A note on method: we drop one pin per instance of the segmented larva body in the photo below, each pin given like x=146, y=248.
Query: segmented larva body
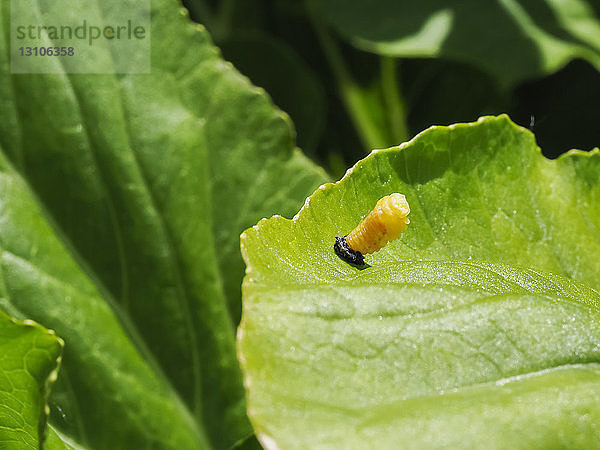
x=385, y=223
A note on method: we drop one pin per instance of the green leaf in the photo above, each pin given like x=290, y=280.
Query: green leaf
x=479, y=190
x=511, y=39
x=110, y=389
x=128, y=245
x=29, y=360
x=56, y=441
x=428, y=346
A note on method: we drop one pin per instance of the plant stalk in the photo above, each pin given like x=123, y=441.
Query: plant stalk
x=393, y=101
x=351, y=93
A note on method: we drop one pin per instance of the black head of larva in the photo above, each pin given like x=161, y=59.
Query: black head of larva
x=346, y=253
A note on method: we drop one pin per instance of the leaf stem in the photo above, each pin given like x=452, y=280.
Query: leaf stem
x=351, y=93
x=393, y=100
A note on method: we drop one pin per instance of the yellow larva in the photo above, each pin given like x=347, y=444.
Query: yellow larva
x=385, y=223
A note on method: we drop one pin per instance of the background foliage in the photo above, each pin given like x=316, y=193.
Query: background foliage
x=382, y=79
x=123, y=196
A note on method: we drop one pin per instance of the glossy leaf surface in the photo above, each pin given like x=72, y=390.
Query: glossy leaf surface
x=429, y=346
x=29, y=360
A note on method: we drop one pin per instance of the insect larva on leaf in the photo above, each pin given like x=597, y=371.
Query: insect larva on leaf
x=385, y=223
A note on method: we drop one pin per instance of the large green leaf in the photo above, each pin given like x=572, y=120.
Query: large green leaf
x=110, y=393
x=511, y=39
x=429, y=346
x=146, y=182
x=478, y=190
x=29, y=360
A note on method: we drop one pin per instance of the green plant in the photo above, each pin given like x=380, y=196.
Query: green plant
x=390, y=69
x=430, y=347
x=122, y=199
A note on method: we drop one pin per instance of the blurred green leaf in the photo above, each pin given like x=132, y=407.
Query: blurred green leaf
x=30, y=356
x=510, y=39
x=110, y=390
x=121, y=231
x=54, y=441
x=430, y=347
